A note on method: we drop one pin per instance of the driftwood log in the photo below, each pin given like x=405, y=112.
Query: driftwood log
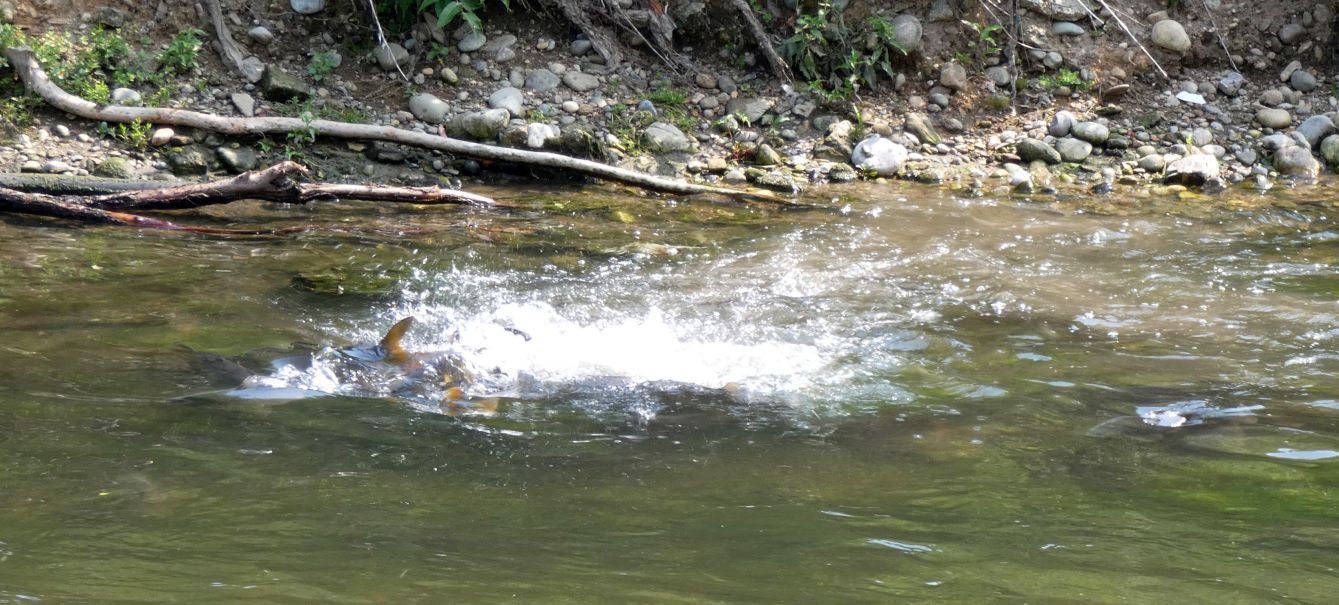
x=271, y=184
x=35, y=79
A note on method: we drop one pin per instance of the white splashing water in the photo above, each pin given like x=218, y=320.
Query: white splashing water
x=625, y=350
x=773, y=325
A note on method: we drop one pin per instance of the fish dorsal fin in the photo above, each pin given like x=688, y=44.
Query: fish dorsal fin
x=395, y=352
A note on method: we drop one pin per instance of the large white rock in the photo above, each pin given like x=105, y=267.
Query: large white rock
x=483, y=125
x=510, y=99
x=953, y=76
x=307, y=7
x=907, y=29
x=661, y=137
x=1170, y=35
x=428, y=108
x=879, y=155
x=536, y=134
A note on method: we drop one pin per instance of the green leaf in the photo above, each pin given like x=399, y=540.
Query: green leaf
x=473, y=20
x=448, y=14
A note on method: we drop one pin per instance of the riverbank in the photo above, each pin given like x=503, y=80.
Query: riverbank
x=1092, y=112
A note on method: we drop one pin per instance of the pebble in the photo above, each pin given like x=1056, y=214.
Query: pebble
x=1273, y=118
x=1073, y=150
x=510, y=99
x=580, y=82
x=1231, y=83
x=1302, y=81
x=1061, y=124
x=125, y=96
x=1170, y=35
x=542, y=80
x=1066, y=28
x=390, y=56
x=953, y=76
x=161, y=136
x=307, y=7
x=260, y=34
x=244, y=103
x=55, y=167
x=474, y=41
x=429, y=108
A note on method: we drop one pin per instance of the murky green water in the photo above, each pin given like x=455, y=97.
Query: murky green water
x=894, y=403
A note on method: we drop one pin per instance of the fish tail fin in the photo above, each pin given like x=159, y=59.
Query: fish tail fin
x=391, y=343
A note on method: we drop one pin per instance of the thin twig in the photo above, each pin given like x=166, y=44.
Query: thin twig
x=1219, y=35
x=1136, y=40
x=1012, y=38
x=381, y=37
x=623, y=20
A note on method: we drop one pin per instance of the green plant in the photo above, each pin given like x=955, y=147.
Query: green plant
x=159, y=97
x=307, y=135
x=667, y=97
x=180, y=54
x=859, y=129
x=1065, y=77
x=344, y=114
x=985, y=42
x=10, y=36
x=134, y=134
x=882, y=49
x=402, y=14
x=828, y=94
x=86, y=64
x=16, y=111
x=998, y=102
x=437, y=52
x=626, y=123
x=836, y=60
x=764, y=15
x=322, y=64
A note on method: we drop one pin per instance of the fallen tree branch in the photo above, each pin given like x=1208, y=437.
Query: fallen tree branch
x=35, y=79
x=274, y=184
x=271, y=184
x=62, y=207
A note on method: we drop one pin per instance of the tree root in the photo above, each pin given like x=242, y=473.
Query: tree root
x=760, y=37
x=227, y=46
x=35, y=79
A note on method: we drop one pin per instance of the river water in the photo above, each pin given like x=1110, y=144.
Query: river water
x=912, y=395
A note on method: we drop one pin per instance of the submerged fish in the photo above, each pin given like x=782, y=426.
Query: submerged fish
x=1155, y=422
